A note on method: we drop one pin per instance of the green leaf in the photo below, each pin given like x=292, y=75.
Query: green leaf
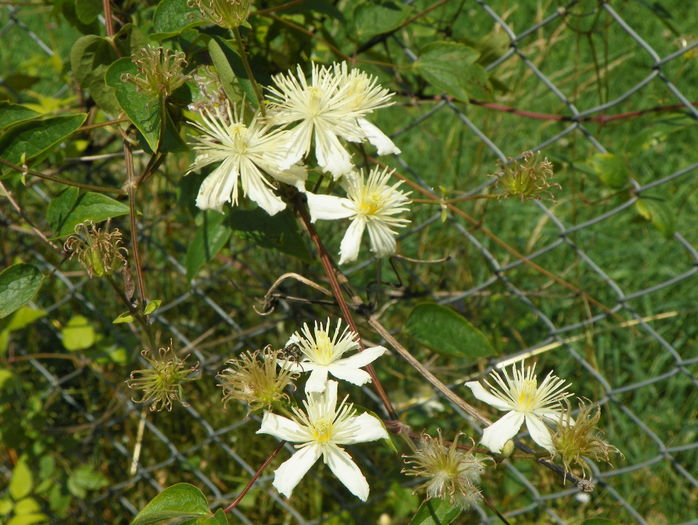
x=611, y=170
x=152, y=306
x=435, y=512
x=69, y=209
x=599, y=521
x=5, y=375
x=228, y=64
x=450, y=67
x=6, y=504
x=21, y=318
x=22, y=481
x=87, y=11
x=124, y=317
x=90, y=57
x=209, y=239
x=85, y=478
x=277, y=232
x=447, y=332
x=659, y=214
x=178, y=501
x=219, y=518
x=78, y=334
x=33, y=138
x=18, y=285
x=174, y=16
x=14, y=114
x=27, y=506
x=375, y=18
x=28, y=519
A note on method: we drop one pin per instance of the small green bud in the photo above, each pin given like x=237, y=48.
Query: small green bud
x=526, y=178
x=508, y=448
x=160, y=71
x=161, y=384
x=225, y=13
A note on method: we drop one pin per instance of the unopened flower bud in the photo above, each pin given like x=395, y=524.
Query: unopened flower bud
x=451, y=472
x=526, y=178
x=160, y=71
x=225, y=13
x=161, y=384
x=99, y=251
x=255, y=378
x=580, y=438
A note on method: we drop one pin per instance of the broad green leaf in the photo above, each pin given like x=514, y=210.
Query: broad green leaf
x=142, y=109
x=435, y=512
x=6, y=504
x=90, y=57
x=33, y=138
x=178, y=501
x=599, y=521
x=659, y=214
x=209, y=239
x=375, y=18
x=87, y=11
x=447, y=332
x=277, y=232
x=78, y=334
x=28, y=519
x=85, y=478
x=228, y=64
x=451, y=67
x=18, y=284
x=22, y=481
x=27, y=506
x=174, y=16
x=611, y=170
x=24, y=317
x=69, y=209
x=11, y=114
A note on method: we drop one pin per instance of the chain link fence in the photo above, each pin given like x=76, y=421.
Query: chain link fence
x=574, y=281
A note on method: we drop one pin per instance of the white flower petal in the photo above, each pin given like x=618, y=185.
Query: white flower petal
x=379, y=139
x=361, y=359
x=287, y=476
x=330, y=154
x=328, y=207
x=382, y=239
x=295, y=366
x=351, y=242
x=539, y=432
x=297, y=145
x=350, y=374
x=498, y=433
x=347, y=472
x=370, y=429
x=317, y=381
x=255, y=187
x=217, y=187
x=282, y=428
x=483, y=395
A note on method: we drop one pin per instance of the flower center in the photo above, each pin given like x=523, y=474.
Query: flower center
x=315, y=105
x=238, y=135
x=371, y=203
x=322, y=431
x=324, y=347
x=527, y=398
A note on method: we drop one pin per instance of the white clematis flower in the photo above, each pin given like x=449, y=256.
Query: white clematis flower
x=372, y=205
x=319, y=431
x=334, y=104
x=248, y=155
x=525, y=401
x=322, y=355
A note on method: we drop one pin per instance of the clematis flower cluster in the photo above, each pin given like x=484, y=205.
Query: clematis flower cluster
x=324, y=423
x=254, y=155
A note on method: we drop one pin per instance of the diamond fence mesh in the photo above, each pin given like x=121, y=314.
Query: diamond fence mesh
x=583, y=283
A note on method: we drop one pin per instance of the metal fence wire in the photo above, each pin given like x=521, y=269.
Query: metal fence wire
x=637, y=356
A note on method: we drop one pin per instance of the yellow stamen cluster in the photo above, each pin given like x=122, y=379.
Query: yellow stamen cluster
x=526, y=178
x=160, y=71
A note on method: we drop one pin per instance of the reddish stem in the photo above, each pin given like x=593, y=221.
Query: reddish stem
x=254, y=478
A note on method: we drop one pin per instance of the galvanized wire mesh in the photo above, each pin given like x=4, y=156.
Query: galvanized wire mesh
x=638, y=313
